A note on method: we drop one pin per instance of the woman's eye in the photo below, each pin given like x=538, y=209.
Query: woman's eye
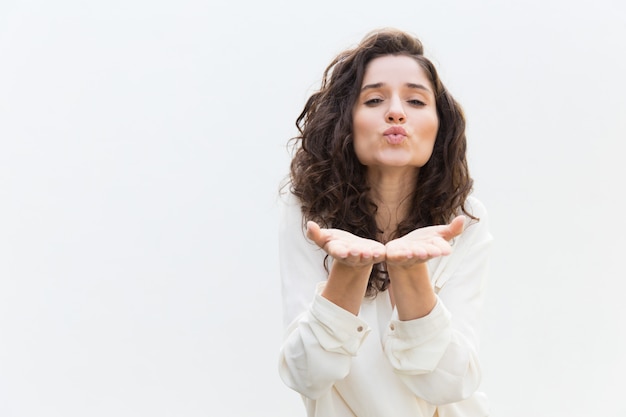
x=417, y=102
x=373, y=101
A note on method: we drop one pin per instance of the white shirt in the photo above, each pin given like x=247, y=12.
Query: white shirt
x=373, y=364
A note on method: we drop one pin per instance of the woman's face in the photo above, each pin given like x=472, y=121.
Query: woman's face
x=395, y=117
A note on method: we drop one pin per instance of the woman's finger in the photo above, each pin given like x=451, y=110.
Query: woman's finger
x=455, y=228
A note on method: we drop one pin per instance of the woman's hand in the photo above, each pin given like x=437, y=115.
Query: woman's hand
x=346, y=248
x=353, y=260
x=423, y=244
x=411, y=290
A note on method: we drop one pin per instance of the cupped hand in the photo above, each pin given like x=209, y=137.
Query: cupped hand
x=423, y=244
x=345, y=247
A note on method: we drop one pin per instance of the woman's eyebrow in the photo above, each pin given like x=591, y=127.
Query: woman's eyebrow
x=418, y=87
x=372, y=86
x=409, y=85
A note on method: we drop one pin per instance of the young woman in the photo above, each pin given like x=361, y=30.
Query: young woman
x=383, y=252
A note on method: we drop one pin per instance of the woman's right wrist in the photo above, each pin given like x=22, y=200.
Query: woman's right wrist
x=346, y=285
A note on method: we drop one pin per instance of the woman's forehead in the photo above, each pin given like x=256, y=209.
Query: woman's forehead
x=395, y=69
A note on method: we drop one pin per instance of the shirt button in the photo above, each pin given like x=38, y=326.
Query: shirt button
x=359, y=329
x=392, y=327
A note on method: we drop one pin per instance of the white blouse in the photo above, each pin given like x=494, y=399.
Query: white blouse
x=374, y=364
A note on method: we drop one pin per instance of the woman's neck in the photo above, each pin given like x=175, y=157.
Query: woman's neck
x=391, y=192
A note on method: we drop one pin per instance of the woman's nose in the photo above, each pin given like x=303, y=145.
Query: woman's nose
x=395, y=113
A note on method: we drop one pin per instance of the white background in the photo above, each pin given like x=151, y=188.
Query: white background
x=141, y=148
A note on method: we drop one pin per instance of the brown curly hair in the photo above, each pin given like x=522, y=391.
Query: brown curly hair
x=329, y=180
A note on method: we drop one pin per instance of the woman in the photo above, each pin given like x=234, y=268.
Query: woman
x=383, y=253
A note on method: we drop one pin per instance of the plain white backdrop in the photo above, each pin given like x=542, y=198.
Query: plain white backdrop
x=141, y=148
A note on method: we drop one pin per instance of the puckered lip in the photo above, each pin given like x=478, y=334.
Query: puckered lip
x=395, y=130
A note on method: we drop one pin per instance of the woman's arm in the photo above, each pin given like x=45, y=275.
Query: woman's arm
x=436, y=355
x=353, y=258
x=411, y=289
x=324, y=331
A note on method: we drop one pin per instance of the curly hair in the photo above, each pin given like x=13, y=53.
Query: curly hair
x=329, y=180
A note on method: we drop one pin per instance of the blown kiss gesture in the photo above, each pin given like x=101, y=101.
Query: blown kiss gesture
x=410, y=289
x=416, y=247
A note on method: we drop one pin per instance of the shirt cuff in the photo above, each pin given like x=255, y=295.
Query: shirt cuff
x=336, y=329
x=417, y=346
